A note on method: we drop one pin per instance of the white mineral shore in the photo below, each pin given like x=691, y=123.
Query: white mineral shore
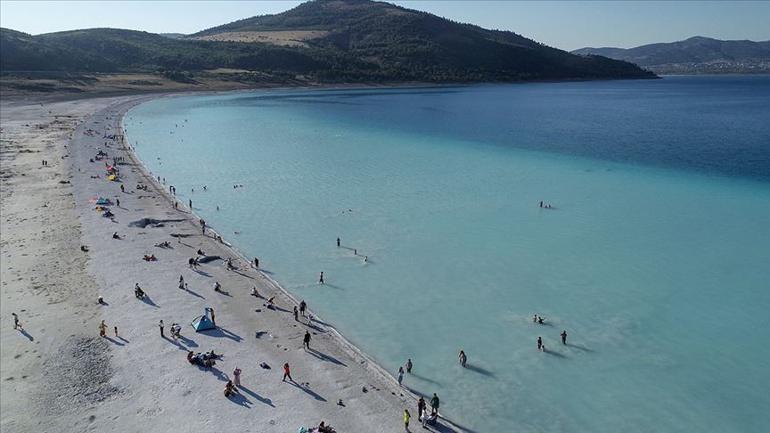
x=58, y=375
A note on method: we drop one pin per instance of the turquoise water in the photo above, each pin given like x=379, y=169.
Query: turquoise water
x=655, y=258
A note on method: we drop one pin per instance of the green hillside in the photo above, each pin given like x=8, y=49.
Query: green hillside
x=354, y=41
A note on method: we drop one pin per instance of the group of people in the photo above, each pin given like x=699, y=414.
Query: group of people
x=425, y=417
x=208, y=359
x=541, y=321
x=205, y=359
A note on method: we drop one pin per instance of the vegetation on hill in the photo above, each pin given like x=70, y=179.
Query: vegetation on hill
x=694, y=55
x=360, y=41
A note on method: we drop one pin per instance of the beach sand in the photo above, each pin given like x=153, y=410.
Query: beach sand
x=58, y=375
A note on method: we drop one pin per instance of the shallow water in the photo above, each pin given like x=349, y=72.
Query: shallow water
x=654, y=258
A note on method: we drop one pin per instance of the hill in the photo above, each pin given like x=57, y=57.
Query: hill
x=323, y=41
x=694, y=55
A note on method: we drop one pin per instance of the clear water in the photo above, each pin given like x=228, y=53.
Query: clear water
x=656, y=258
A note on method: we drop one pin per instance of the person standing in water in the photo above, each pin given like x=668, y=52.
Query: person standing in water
x=321, y=278
x=434, y=404
x=463, y=358
x=338, y=242
x=564, y=337
x=539, y=343
x=400, y=375
x=409, y=365
x=189, y=204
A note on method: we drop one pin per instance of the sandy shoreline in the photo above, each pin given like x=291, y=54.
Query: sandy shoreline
x=145, y=380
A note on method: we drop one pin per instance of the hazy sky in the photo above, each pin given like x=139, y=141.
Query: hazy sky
x=566, y=25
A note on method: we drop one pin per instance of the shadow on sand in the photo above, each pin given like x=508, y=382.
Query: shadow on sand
x=116, y=342
x=146, y=299
x=243, y=274
x=239, y=399
x=220, y=332
x=26, y=334
x=324, y=357
x=307, y=391
x=194, y=293
x=204, y=273
x=261, y=399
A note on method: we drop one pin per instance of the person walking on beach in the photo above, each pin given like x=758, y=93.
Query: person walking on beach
x=407, y=417
x=338, y=242
x=420, y=407
x=16, y=324
x=539, y=343
x=296, y=313
x=256, y=262
x=189, y=204
x=400, y=375
x=321, y=278
x=306, y=340
x=116, y=332
x=286, y=372
x=564, y=337
x=409, y=365
x=237, y=376
x=160, y=325
x=102, y=329
x=434, y=404
x=302, y=307
x=213, y=318
x=463, y=359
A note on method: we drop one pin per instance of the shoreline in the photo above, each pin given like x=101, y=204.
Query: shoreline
x=137, y=378
x=369, y=363
x=351, y=348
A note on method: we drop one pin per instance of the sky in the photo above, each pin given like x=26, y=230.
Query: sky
x=563, y=24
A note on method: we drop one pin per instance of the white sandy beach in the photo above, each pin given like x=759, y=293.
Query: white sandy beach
x=59, y=375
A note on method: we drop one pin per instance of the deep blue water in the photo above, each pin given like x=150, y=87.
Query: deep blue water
x=712, y=124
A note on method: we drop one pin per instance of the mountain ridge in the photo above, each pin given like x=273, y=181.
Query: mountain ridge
x=324, y=41
x=697, y=54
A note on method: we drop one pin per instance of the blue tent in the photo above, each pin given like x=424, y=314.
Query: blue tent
x=202, y=323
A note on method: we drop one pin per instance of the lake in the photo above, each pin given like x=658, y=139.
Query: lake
x=654, y=255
